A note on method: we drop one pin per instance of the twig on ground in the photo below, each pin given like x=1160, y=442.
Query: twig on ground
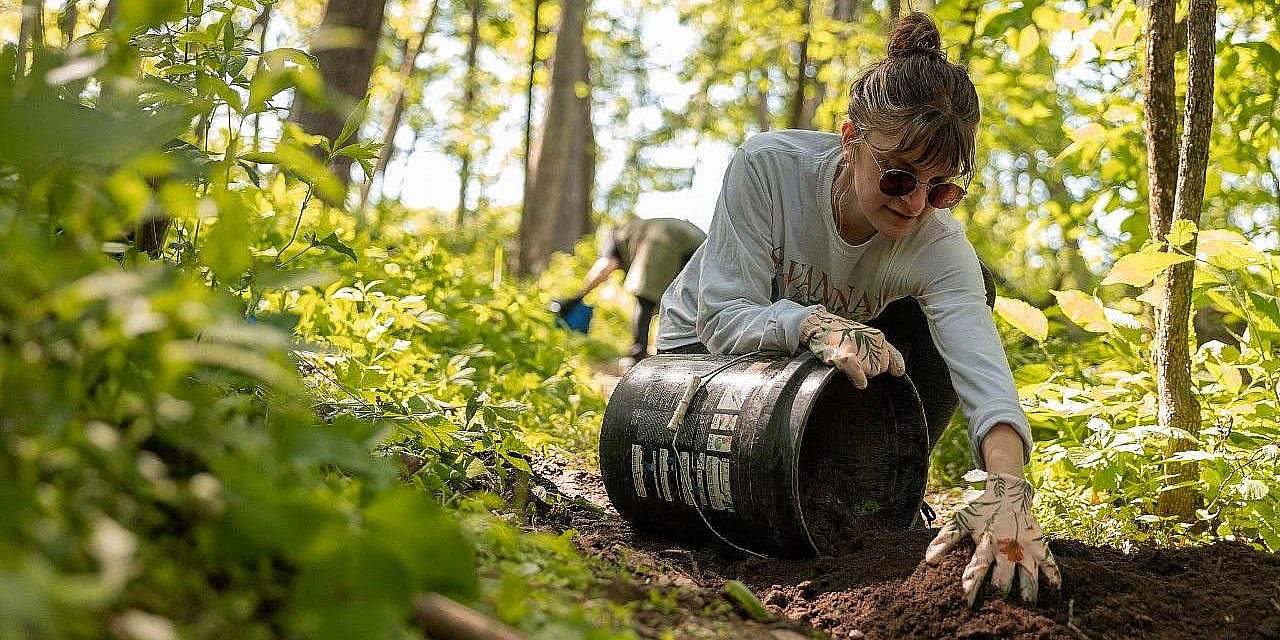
x=445, y=619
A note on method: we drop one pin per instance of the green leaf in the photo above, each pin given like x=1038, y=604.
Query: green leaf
x=332, y=241
x=143, y=14
x=1084, y=310
x=1139, y=269
x=740, y=595
x=226, y=251
x=1182, y=232
x=354, y=120
x=1251, y=489
x=1228, y=249
x=1023, y=317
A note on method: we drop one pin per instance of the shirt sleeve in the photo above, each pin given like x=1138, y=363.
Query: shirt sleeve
x=735, y=310
x=954, y=302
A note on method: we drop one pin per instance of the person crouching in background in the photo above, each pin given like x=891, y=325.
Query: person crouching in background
x=651, y=252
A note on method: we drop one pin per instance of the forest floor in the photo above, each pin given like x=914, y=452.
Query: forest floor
x=878, y=586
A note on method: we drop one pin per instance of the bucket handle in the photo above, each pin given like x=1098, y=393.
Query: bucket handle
x=677, y=422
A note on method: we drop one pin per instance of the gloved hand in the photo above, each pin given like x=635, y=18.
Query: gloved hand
x=563, y=306
x=1000, y=522
x=860, y=351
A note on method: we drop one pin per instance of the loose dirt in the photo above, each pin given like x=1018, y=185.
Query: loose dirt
x=878, y=586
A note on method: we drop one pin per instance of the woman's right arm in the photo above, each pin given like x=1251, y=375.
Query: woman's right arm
x=735, y=310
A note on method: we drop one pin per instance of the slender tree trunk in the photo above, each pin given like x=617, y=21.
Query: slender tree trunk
x=845, y=10
x=30, y=34
x=796, y=119
x=893, y=10
x=969, y=17
x=534, y=35
x=761, y=89
x=1178, y=407
x=265, y=21
x=67, y=19
x=468, y=103
x=108, y=14
x=408, y=59
x=346, y=71
x=1161, y=123
x=557, y=207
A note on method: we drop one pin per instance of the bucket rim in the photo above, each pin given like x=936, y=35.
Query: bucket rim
x=805, y=399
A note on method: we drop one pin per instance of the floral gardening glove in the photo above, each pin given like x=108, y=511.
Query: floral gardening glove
x=1000, y=522
x=860, y=351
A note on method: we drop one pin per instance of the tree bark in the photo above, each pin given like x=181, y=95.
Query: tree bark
x=1161, y=121
x=30, y=34
x=797, y=119
x=67, y=19
x=763, y=118
x=408, y=59
x=264, y=22
x=1178, y=406
x=534, y=35
x=894, y=10
x=345, y=70
x=468, y=103
x=108, y=14
x=557, y=206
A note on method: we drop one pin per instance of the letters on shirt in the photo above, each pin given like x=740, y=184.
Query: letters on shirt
x=804, y=284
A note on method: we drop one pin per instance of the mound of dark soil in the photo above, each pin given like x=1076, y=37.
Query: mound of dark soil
x=882, y=588
x=879, y=586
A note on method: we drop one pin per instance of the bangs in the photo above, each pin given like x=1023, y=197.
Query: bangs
x=938, y=139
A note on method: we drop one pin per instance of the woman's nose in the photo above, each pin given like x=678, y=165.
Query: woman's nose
x=918, y=199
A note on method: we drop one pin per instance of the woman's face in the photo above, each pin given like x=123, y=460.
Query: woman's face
x=893, y=216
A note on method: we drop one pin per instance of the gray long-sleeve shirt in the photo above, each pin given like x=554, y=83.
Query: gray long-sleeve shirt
x=773, y=255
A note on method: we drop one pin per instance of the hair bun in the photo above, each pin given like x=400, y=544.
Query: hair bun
x=915, y=34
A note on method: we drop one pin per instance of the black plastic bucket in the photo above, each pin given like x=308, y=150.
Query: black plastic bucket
x=776, y=454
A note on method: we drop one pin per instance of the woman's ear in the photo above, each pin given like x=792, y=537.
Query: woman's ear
x=848, y=135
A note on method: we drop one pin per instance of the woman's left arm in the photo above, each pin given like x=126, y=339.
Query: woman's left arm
x=1008, y=538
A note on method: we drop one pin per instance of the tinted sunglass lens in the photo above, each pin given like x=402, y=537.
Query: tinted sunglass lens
x=945, y=195
x=896, y=182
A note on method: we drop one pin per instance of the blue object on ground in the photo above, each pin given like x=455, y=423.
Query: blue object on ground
x=578, y=318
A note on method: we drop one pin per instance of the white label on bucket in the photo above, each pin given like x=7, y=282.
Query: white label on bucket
x=664, y=480
x=713, y=484
x=731, y=399
x=717, y=442
x=637, y=470
x=727, y=422
x=726, y=492
x=686, y=484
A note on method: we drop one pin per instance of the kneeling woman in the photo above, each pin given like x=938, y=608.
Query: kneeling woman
x=818, y=239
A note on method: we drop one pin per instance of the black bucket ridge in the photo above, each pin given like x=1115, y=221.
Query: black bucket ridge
x=780, y=454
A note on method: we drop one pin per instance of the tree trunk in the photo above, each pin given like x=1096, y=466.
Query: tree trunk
x=799, y=100
x=557, y=206
x=409, y=56
x=468, y=103
x=893, y=11
x=264, y=21
x=763, y=119
x=67, y=21
x=845, y=10
x=345, y=70
x=1178, y=406
x=534, y=35
x=30, y=34
x=108, y=14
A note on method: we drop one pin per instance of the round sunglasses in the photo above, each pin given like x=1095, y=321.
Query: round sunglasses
x=897, y=183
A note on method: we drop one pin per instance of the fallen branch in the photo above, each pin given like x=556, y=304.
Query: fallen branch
x=444, y=619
